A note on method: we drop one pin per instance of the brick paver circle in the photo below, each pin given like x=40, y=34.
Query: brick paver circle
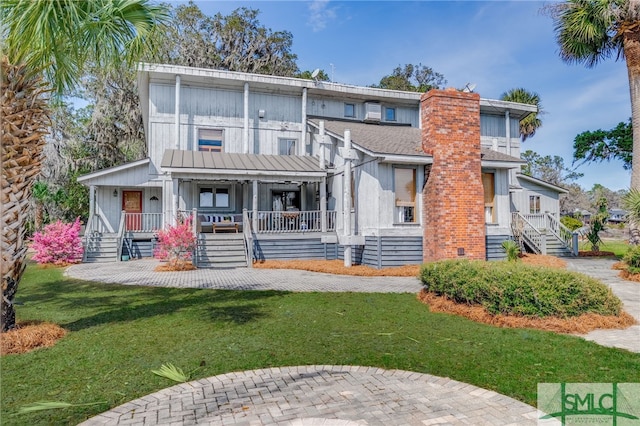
x=321, y=395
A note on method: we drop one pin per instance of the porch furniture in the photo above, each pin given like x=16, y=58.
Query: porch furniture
x=219, y=222
x=225, y=226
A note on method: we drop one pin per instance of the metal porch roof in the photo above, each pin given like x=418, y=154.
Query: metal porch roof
x=240, y=164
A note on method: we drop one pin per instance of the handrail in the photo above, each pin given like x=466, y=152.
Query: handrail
x=523, y=229
x=120, y=235
x=569, y=237
x=88, y=230
x=248, y=237
x=194, y=231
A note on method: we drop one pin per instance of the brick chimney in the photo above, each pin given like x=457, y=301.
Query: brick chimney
x=453, y=196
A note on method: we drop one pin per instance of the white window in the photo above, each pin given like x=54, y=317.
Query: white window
x=534, y=204
x=286, y=147
x=211, y=140
x=218, y=197
x=405, y=194
x=349, y=110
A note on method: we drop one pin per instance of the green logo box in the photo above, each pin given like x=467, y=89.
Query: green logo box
x=603, y=404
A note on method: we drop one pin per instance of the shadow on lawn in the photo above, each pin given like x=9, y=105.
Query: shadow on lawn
x=94, y=304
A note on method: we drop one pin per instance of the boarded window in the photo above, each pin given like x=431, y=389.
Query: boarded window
x=405, y=194
x=489, y=185
x=210, y=140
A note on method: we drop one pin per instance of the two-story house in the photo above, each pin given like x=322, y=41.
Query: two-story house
x=283, y=168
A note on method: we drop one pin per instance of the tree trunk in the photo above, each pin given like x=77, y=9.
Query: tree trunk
x=24, y=120
x=631, y=43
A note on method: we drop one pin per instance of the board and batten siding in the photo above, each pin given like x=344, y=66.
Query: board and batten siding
x=109, y=208
x=387, y=212
x=202, y=107
x=369, y=205
x=549, y=199
x=334, y=108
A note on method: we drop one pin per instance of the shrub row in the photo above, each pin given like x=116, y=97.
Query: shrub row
x=517, y=289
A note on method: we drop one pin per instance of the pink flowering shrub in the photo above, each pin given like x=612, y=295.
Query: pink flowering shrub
x=176, y=244
x=58, y=243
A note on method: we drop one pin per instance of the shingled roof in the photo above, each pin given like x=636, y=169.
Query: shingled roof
x=394, y=140
x=378, y=138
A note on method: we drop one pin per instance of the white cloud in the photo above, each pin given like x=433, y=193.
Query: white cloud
x=321, y=14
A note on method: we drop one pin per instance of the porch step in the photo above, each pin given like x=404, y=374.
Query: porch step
x=557, y=248
x=221, y=250
x=101, y=248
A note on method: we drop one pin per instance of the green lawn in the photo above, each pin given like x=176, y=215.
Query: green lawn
x=619, y=247
x=118, y=334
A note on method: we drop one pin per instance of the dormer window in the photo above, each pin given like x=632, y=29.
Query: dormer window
x=210, y=140
x=350, y=110
x=390, y=114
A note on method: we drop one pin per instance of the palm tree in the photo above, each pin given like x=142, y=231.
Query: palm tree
x=46, y=46
x=589, y=31
x=531, y=122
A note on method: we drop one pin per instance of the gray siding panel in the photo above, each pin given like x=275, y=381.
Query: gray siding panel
x=291, y=249
x=389, y=251
x=494, y=247
x=139, y=249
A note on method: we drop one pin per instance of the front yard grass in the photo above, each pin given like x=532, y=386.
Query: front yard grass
x=618, y=247
x=118, y=334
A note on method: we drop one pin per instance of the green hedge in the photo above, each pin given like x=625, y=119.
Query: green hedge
x=517, y=289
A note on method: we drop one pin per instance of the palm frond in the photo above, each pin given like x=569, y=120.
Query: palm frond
x=52, y=405
x=171, y=372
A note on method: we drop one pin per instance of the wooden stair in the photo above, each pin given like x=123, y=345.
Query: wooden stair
x=101, y=247
x=221, y=250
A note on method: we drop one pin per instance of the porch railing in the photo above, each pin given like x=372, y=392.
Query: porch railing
x=526, y=232
x=534, y=228
x=277, y=222
x=96, y=225
x=569, y=237
x=142, y=222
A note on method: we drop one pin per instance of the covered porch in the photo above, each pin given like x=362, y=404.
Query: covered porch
x=281, y=194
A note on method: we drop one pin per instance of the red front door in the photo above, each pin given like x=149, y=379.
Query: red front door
x=132, y=205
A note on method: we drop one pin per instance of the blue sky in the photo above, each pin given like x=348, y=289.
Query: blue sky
x=497, y=45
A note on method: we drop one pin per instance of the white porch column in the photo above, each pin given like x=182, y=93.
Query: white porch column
x=254, y=205
x=346, y=201
x=245, y=129
x=175, y=201
x=321, y=159
x=245, y=195
x=92, y=206
x=303, y=133
x=323, y=204
x=177, y=112
x=303, y=196
x=508, y=131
